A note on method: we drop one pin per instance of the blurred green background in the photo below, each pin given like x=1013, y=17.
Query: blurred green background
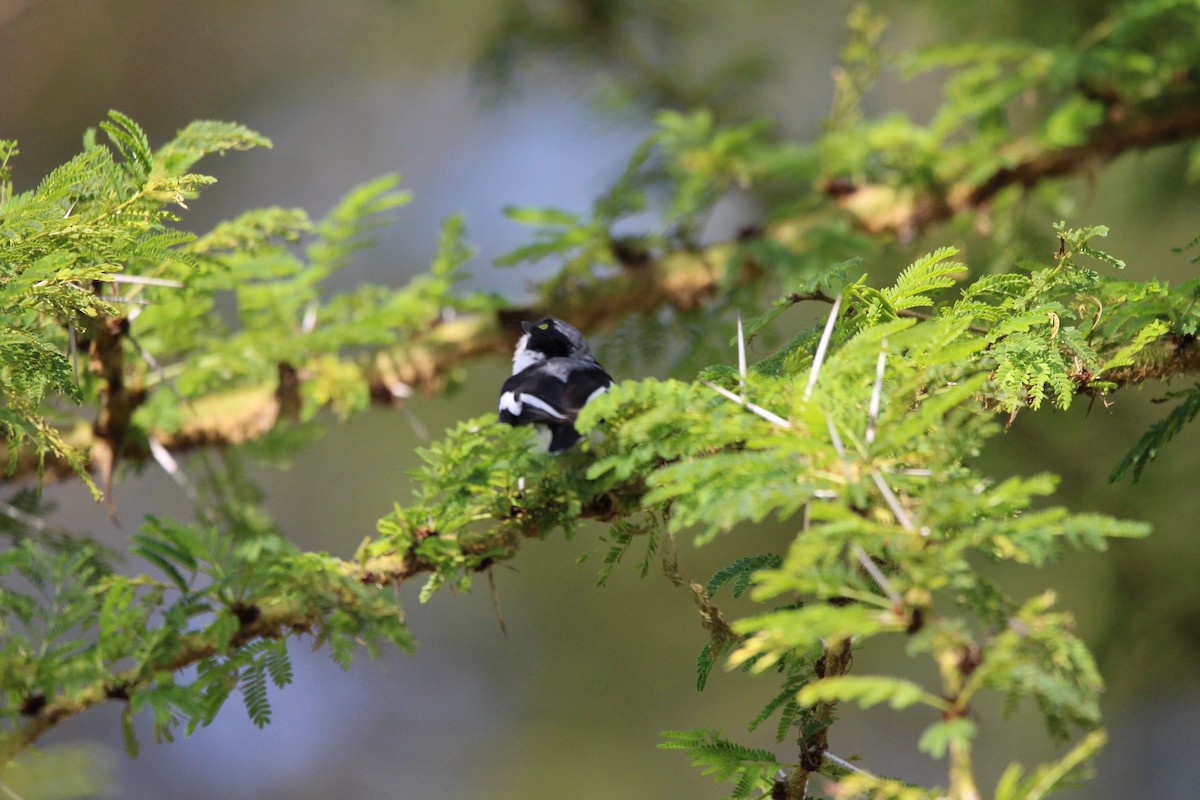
x=480, y=108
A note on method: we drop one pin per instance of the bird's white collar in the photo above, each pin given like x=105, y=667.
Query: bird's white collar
x=523, y=357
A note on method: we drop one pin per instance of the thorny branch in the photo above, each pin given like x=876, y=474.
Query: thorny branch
x=679, y=280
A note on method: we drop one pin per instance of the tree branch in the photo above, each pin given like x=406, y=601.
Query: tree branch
x=265, y=620
x=678, y=280
x=41, y=715
x=682, y=280
x=881, y=209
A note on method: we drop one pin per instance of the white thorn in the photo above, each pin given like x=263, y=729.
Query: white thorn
x=873, y=570
x=894, y=503
x=839, y=448
x=167, y=461
x=741, y=337
x=149, y=358
x=769, y=416
x=23, y=517
x=122, y=277
x=843, y=763
x=835, y=438
x=876, y=392
x=310, y=318
x=822, y=346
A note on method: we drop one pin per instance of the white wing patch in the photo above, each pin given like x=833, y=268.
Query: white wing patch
x=538, y=402
x=595, y=394
x=509, y=403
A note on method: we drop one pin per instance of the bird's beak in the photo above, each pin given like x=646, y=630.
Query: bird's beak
x=527, y=326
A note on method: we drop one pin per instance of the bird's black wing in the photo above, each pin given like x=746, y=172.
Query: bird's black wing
x=550, y=394
x=582, y=385
x=534, y=395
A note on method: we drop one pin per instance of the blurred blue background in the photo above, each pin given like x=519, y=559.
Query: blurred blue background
x=571, y=701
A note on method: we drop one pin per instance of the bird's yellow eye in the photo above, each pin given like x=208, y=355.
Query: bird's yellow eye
x=545, y=326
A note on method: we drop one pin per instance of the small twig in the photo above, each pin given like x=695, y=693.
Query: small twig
x=822, y=346
x=796, y=297
x=73, y=346
x=769, y=416
x=496, y=602
x=876, y=392
x=1096, y=321
x=921, y=315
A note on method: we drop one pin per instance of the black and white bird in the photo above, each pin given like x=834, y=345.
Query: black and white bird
x=554, y=376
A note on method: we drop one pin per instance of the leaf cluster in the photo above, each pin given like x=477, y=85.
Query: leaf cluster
x=107, y=306
x=80, y=629
x=873, y=469
x=63, y=248
x=857, y=437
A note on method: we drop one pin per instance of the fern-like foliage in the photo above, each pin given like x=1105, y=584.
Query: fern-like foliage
x=262, y=660
x=622, y=535
x=751, y=769
x=104, y=304
x=1161, y=432
x=859, y=436
x=739, y=574
x=884, y=479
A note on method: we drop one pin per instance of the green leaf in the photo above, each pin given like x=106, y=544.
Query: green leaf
x=541, y=216
x=868, y=691
x=929, y=273
x=1049, y=777
x=1152, y=441
x=719, y=757
x=130, y=141
x=940, y=737
x=1149, y=333
x=202, y=138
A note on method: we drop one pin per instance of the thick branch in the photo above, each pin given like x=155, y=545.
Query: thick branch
x=1167, y=358
x=882, y=209
x=682, y=281
x=835, y=661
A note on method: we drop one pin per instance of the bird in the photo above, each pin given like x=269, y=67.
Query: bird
x=554, y=376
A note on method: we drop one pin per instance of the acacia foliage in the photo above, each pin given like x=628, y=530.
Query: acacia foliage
x=860, y=435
